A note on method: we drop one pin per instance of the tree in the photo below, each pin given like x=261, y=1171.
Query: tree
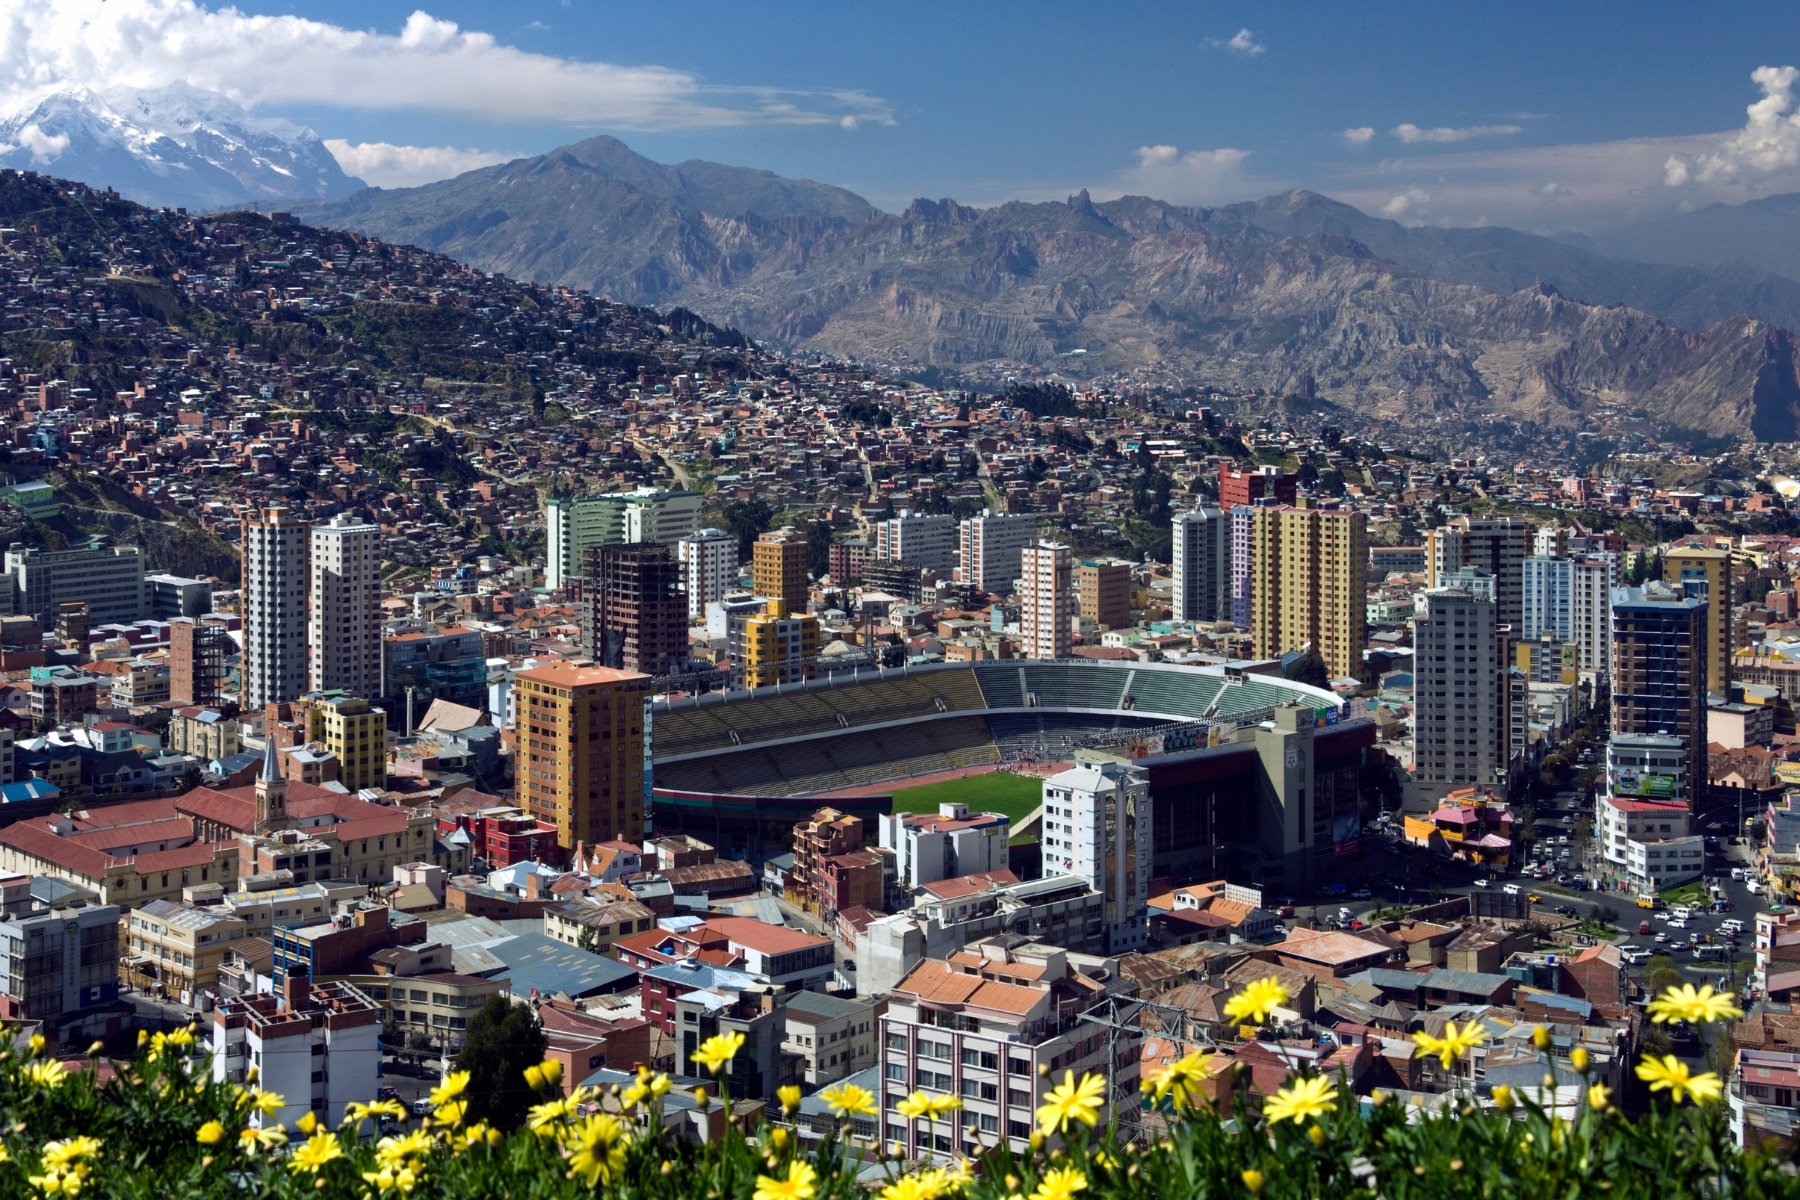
x=818, y=548
x=1309, y=668
x=1661, y=974
x=503, y=1039
x=746, y=519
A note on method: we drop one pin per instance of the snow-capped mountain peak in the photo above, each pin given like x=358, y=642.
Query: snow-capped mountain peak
x=175, y=145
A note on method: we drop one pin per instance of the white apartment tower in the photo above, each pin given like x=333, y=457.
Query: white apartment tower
x=573, y=525
x=1549, y=584
x=991, y=545
x=1459, y=726
x=924, y=541
x=1096, y=827
x=275, y=549
x=1593, y=577
x=709, y=569
x=1202, y=553
x=1044, y=625
x=344, y=623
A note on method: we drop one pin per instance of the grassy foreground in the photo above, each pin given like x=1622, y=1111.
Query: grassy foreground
x=160, y=1130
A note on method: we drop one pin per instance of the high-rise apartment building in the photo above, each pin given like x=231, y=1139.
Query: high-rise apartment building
x=1103, y=593
x=1593, y=576
x=110, y=580
x=1240, y=571
x=1548, y=598
x=575, y=524
x=275, y=553
x=1706, y=574
x=1460, y=730
x=1044, y=626
x=1097, y=826
x=991, y=545
x=1202, y=566
x=1309, y=567
x=634, y=616
x=581, y=757
x=1659, y=661
x=1496, y=545
x=709, y=569
x=344, y=622
x=778, y=567
x=775, y=646
x=1264, y=483
x=929, y=541
x=197, y=654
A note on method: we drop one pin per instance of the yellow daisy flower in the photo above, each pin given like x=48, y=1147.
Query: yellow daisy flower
x=311, y=1155
x=716, y=1053
x=1071, y=1101
x=1301, y=1101
x=797, y=1186
x=1698, y=1006
x=1060, y=1184
x=848, y=1100
x=1253, y=1005
x=1453, y=1045
x=1672, y=1075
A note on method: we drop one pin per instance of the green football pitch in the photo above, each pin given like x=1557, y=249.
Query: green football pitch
x=1013, y=795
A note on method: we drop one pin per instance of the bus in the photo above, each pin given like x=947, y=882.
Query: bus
x=1649, y=900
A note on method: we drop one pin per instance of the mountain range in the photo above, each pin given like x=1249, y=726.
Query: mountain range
x=1292, y=293
x=173, y=146
x=1295, y=292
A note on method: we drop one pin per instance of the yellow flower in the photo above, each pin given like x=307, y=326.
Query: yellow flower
x=1540, y=1037
x=1253, y=1005
x=1699, y=1006
x=1061, y=1184
x=1453, y=1045
x=1302, y=1101
x=393, y=1150
x=257, y=1100
x=1253, y=1180
x=210, y=1134
x=1503, y=1097
x=1071, y=1101
x=1672, y=1075
x=716, y=1053
x=915, y=1106
x=848, y=1100
x=454, y=1085
x=36, y=1044
x=797, y=1186
x=547, y=1119
x=254, y=1140
x=314, y=1153
x=397, y=1180
x=451, y=1113
x=1578, y=1059
x=308, y=1124
x=599, y=1149
x=1182, y=1080
x=789, y=1097
x=46, y=1074
x=1599, y=1097
x=355, y=1114
x=70, y=1152
x=911, y=1187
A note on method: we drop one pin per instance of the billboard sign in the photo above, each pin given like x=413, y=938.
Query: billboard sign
x=1644, y=785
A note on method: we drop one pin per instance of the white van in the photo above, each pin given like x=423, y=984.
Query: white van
x=1511, y=889
x=1681, y=912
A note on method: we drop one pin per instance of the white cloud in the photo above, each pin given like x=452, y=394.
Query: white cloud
x=384, y=164
x=1409, y=203
x=43, y=146
x=1243, y=43
x=1189, y=177
x=1413, y=134
x=432, y=65
x=1768, y=142
x=1361, y=135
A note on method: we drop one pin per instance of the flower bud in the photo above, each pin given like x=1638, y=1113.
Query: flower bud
x=1540, y=1037
x=1253, y=1181
x=1316, y=1136
x=1578, y=1058
x=1503, y=1097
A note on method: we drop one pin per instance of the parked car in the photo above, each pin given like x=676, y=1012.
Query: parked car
x=1361, y=893
x=1643, y=928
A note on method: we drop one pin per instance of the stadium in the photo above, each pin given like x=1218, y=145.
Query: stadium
x=739, y=766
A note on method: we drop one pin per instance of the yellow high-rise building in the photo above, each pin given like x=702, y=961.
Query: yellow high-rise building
x=1706, y=575
x=1308, y=567
x=579, y=751
x=356, y=734
x=778, y=647
x=778, y=567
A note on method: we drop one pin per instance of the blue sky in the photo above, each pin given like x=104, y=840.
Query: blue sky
x=1568, y=115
